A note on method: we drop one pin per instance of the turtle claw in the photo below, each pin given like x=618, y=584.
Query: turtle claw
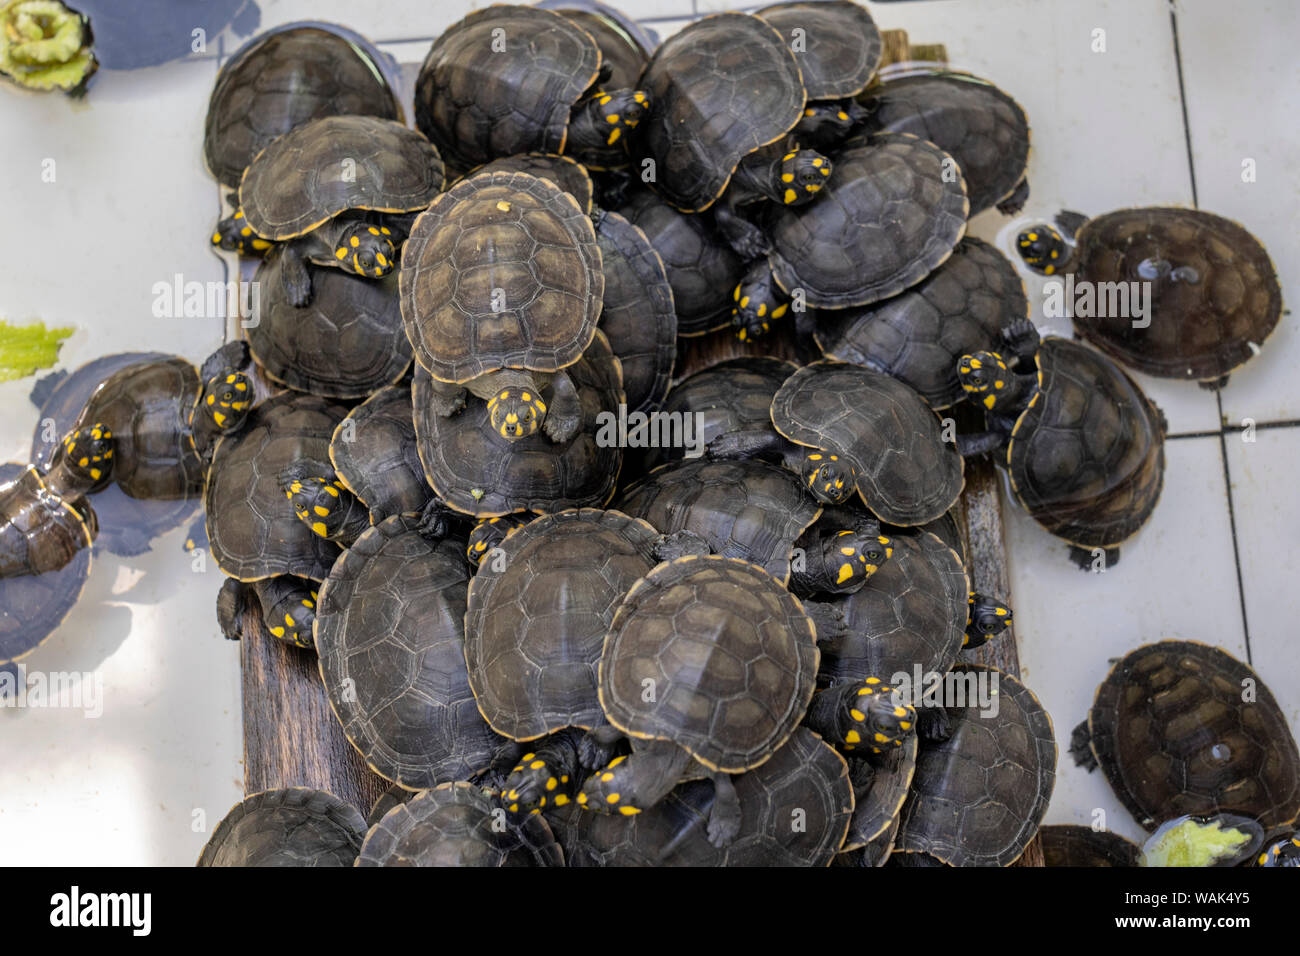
x=725, y=817
x=1081, y=747
x=561, y=429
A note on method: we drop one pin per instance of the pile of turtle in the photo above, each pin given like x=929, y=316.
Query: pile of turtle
x=565, y=643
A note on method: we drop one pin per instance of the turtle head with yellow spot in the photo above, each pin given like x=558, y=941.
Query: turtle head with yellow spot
x=87, y=456
x=1042, y=248
x=365, y=249
x=516, y=412
x=827, y=124
x=851, y=557
x=830, y=478
x=326, y=506
x=226, y=400
x=757, y=302
x=801, y=175
x=234, y=234
x=988, y=617
x=985, y=379
x=541, y=780
x=872, y=720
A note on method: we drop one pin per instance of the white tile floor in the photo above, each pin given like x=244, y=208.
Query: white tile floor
x=132, y=205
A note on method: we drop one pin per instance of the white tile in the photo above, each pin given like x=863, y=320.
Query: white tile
x=1242, y=86
x=1267, y=512
x=1175, y=579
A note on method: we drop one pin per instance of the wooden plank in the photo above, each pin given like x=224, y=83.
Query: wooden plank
x=291, y=737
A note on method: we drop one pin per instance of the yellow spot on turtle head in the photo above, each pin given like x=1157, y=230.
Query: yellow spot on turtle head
x=846, y=572
x=537, y=765
x=614, y=134
x=216, y=238
x=873, y=680
x=551, y=783
x=990, y=401
x=779, y=311
x=881, y=738
x=354, y=242
x=340, y=253
x=1033, y=237
x=372, y=230
x=1048, y=270
x=629, y=811
x=905, y=724
x=612, y=119
x=857, y=715
x=787, y=177
x=788, y=156
x=582, y=799
x=319, y=528
x=852, y=737
x=790, y=196
x=842, y=116
x=561, y=799
x=809, y=111
x=321, y=510
x=613, y=798
x=606, y=777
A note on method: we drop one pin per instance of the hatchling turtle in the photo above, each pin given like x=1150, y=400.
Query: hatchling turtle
x=891, y=213
x=805, y=779
x=759, y=513
x=401, y=691
x=501, y=289
x=708, y=660
x=46, y=530
x=478, y=471
x=374, y=453
x=284, y=78
x=255, y=533
x=1180, y=728
x=965, y=305
x=508, y=79
x=978, y=796
x=564, y=171
x=1212, y=292
x=538, y=612
x=910, y=614
x=1072, y=845
x=346, y=343
x=337, y=192
x=455, y=824
x=861, y=430
x=979, y=125
x=839, y=53
x=1084, y=446
x=701, y=267
x=126, y=525
x=732, y=397
x=724, y=93
x=291, y=827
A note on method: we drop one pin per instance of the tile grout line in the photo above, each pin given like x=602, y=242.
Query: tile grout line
x=1218, y=393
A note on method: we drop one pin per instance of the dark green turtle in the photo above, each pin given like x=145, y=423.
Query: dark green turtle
x=477, y=471
x=794, y=809
x=724, y=93
x=709, y=659
x=401, y=691
x=126, y=525
x=539, y=608
x=509, y=79
x=861, y=430
x=374, y=452
x=337, y=192
x=965, y=305
x=458, y=824
x=701, y=268
x=911, y=613
x=254, y=530
x=978, y=796
x=292, y=827
x=501, y=289
x=1073, y=845
x=838, y=47
x=731, y=398
x=283, y=78
x=758, y=513
x=46, y=530
x=981, y=127
x=1213, y=292
x=1180, y=728
x=891, y=213
x=1084, y=446
x=346, y=343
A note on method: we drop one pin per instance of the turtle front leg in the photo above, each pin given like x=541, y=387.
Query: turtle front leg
x=564, y=417
x=980, y=443
x=732, y=445
x=748, y=241
x=629, y=784
x=725, y=817
x=596, y=747
x=294, y=275
x=446, y=399
x=231, y=601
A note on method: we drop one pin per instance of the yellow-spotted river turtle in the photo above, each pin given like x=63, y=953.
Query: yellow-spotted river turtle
x=290, y=827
